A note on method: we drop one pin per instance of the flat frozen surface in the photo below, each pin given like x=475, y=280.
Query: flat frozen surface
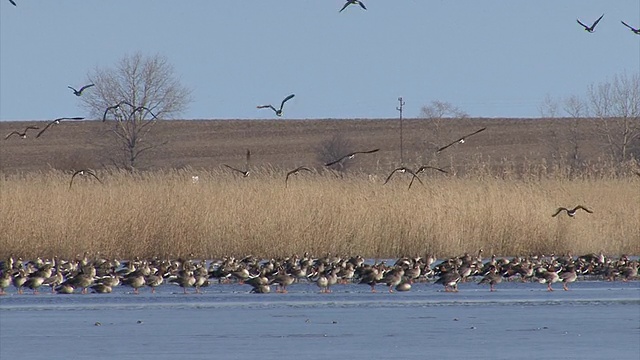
x=594, y=320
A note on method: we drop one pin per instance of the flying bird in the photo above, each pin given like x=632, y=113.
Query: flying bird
x=350, y=156
x=422, y=169
x=84, y=172
x=295, y=171
x=277, y=111
x=57, y=121
x=402, y=169
x=244, y=173
x=115, y=107
x=571, y=212
x=592, y=27
x=635, y=31
x=22, y=134
x=461, y=140
x=353, y=2
x=79, y=92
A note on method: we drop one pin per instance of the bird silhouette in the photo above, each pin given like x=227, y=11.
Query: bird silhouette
x=592, y=27
x=295, y=171
x=422, y=169
x=13, y=3
x=22, y=134
x=84, y=172
x=115, y=107
x=58, y=121
x=277, y=111
x=244, y=173
x=79, y=92
x=571, y=212
x=461, y=140
x=635, y=31
x=402, y=169
x=353, y=2
x=350, y=156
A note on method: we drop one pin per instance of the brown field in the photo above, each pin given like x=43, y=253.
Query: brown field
x=502, y=187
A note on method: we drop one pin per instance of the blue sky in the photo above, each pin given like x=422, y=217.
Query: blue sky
x=490, y=58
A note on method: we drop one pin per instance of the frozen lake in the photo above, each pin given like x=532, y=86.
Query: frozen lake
x=595, y=320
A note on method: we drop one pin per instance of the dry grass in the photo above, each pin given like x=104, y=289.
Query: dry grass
x=165, y=214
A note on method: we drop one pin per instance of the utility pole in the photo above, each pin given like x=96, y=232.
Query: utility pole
x=399, y=108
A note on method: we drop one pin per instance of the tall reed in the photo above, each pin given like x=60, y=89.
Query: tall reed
x=167, y=214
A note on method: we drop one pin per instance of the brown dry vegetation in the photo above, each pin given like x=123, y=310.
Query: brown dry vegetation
x=500, y=194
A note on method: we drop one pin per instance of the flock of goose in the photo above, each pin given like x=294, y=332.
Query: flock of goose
x=102, y=275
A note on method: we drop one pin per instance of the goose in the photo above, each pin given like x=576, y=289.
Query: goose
x=548, y=276
x=422, y=169
x=571, y=212
x=277, y=111
x=5, y=282
x=461, y=140
x=22, y=134
x=323, y=283
x=282, y=280
x=402, y=170
x=100, y=288
x=492, y=278
x=592, y=27
x=568, y=276
x=153, y=281
x=244, y=173
x=350, y=156
x=19, y=279
x=635, y=31
x=79, y=92
x=450, y=280
x=58, y=121
x=84, y=172
x=353, y=2
x=392, y=278
x=136, y=280
x=295, y=171
x=185, y=279
x=114, y=107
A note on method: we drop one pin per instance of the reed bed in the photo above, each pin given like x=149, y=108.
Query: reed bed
x=166, y=214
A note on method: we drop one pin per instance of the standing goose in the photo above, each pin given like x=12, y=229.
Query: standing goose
x=295, y=171
x=22, y=134
x=84, y=172
x=79, y=92
x=57, y=121
x=492, y=278
x=461, y=140
x=350, y=156
x=571, y=212
x=635, y=31
x=277, y=111
x=422, y=169
x=568, y=276
x=592, y=27
x=353, y=2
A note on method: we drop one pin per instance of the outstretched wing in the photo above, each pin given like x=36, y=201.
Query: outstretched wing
x=558, y=211
x=362, y=5
x=234, y=169
x=286, y=99
x=583, y=25
x=336, y=161
x=461, y=139
x=583, y=208
x=415, y=176
x=391, y=175
x=73, y=176
x=364, y=152
x=627, y=25
x=86, y=86
x=45, y=128
x=344, y=7
x=72, y=88
x=425, y=167
x=267, y=106
x=11, y=133
x=31, y=127
x=13, y=3
x=92, y=173
x=596, y=22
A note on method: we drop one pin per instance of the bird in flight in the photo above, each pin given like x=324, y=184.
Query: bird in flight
x=295, y=171
x=22, y=134
x=592, y=27
x=277, y=111
x=79, y=92
x=353, y=2
x=461, y=140
x=57, y=121
x=350, y=156
x=422, y=169
x=84, y=172
x=571, y=212
x=401, y=170
x=635, y=31
x=114, y=107
x=244, y=173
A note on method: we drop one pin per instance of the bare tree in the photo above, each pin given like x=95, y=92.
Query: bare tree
x=135, y=93
x=576, y=108
x=616, y=106
x=548, y=108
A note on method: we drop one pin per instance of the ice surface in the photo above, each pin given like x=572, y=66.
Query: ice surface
x=594, y=320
